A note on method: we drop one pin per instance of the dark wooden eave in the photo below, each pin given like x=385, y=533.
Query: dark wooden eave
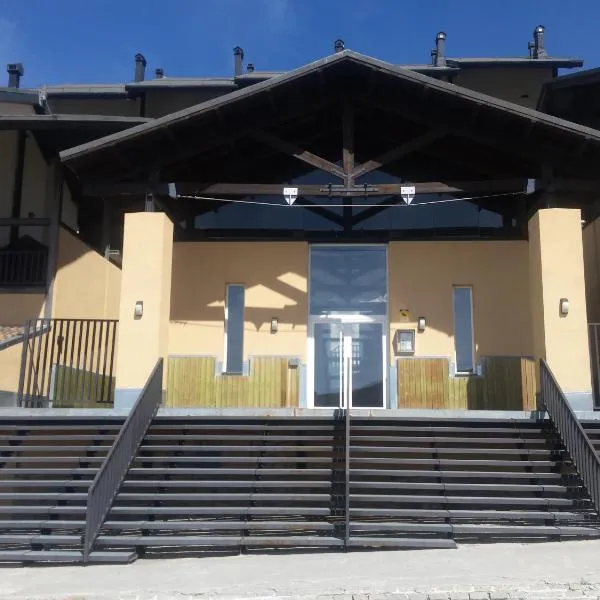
x=58, y=132
x=471, y=119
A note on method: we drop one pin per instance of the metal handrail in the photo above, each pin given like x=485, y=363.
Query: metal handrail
x=108, y=480
x=571, y=432
x=347, y=482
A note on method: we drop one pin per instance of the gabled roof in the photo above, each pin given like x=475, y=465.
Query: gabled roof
x=139, y=140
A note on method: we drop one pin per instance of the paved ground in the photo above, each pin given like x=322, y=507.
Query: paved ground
x=562, y=570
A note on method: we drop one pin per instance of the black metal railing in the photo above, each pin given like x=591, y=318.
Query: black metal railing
x=23, y=252
x=68, y=363
x=594, y=339
x=108, y=480
x=23, y=267
x=571, y=432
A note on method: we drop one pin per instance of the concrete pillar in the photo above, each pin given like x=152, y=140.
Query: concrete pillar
x=555, y=272
x=146, y=277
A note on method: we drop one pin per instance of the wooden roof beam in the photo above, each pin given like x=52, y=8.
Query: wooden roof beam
x=303, y=155
x=395, y=153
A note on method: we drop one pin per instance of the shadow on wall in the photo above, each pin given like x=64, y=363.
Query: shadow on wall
x=422, y=276
x=274, y=276
x=87, y=285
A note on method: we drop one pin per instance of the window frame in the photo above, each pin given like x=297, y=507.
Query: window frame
x=473, y=370
x=226, y=359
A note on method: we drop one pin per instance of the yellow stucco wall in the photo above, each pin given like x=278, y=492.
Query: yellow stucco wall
x=15, y=309
x=556, y=271
x=86, y=286
x=147, y=261
x=421, y=280
x=10, y=367
x=521, y=86
x=275, y=276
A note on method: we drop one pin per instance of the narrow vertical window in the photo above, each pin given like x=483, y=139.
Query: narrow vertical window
x=234, y=329
x=463, y=329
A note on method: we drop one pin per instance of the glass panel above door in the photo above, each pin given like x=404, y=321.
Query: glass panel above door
x=349, y=280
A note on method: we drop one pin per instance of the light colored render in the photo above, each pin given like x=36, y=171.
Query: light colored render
x=10, y=367
x=275, y=276
x=521, y=86
x=69, y=209
x=15, y=309
x=147, y=261
x=421, y=279
x=87, y=286
x=556, y=267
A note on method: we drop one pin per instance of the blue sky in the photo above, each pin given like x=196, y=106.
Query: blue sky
x=80, y=41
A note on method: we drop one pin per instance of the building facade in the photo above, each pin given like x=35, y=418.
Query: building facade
x=352, y=233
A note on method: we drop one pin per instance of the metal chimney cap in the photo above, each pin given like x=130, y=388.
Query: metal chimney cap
x=15, y=69
x=339, y=45
x=159, y=73
x=140, y=58
x=250, y=68
x=237, y=51
x=441, y=36
x=539, y=29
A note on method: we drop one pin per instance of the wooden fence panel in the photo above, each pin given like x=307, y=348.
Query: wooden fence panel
x=507, y=383
x=423, y=383
x=193, y=383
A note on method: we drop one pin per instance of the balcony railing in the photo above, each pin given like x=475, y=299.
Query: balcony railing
x=23, y=267
x=23, y=252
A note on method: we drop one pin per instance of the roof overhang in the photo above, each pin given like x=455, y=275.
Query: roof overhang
x=517, y=62
x=348, y=74
x=57, y=132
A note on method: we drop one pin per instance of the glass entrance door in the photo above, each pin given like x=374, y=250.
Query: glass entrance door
x=349, y=365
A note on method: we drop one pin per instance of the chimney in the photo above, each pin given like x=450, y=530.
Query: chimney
x=140, y=68
x=15, y=72
x=433, y=56
x=159, y=73
x=238, y=61
x=538, y=42
x=250, y=68
x=338, y=46
x=531, y=48
x=440, y=49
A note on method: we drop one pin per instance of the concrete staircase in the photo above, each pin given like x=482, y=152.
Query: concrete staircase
x=205, y=485
x=46, y=467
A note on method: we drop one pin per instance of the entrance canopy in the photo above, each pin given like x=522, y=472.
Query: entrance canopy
x=366, y=126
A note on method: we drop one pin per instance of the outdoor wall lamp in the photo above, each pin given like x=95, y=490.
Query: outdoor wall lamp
x=564, y=307
x=274, y=325
x=421, y=324
x=138, y=311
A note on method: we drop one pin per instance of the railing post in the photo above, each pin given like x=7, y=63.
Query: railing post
x=347, y=477
x=24, y=351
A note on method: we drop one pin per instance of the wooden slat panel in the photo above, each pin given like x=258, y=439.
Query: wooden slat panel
x=529, y=383
x=422, y=382
x=508, y=383
x=191, y=383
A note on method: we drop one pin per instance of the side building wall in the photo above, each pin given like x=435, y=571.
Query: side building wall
x=86, y=286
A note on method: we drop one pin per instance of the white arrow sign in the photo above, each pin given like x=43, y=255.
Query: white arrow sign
x=408, y=193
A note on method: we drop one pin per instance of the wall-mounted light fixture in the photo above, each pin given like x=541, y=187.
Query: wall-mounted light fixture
x=564, y=307
x=274, y=325
x=138, y=311
x=421, y=324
